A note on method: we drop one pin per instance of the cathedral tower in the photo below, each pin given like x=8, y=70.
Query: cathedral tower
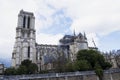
x=24, y=47
x=80, y=43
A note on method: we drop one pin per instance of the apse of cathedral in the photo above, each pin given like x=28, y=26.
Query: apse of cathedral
x=43, y=55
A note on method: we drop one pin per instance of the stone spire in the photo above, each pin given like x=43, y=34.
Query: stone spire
x=74, y=33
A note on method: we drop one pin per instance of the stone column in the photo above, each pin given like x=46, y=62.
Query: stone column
x=20, y=21
x=32, y=22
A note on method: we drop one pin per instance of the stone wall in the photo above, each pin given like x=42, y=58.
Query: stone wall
x=85, y=75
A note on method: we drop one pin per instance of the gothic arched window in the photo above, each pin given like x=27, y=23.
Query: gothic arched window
x=28, y=23
x=28, y=51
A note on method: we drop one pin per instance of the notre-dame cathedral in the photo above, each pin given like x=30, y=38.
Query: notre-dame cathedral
x=43, y=55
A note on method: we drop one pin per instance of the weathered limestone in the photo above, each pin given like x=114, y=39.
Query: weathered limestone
x=25, y=39
x=43, y=55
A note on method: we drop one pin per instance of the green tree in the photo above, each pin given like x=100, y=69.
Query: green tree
x=26, y=62
x=69, y=67
x=33, y=68
x=99, y=73
x=27, y=67
x=22, y=70
x=106, y=65
x=10, y=71
x=82, y=65
x=93, y=57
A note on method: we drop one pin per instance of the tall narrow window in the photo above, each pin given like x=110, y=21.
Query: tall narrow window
x=36, y=55
x=28, y=23
x=24, y=21
x=28, y=51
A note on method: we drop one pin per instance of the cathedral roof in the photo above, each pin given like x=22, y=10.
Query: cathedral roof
x=67, y=39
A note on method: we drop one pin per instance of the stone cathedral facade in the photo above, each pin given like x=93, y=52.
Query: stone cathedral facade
x=43, y=55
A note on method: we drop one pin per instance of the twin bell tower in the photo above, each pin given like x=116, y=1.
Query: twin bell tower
x=24, y=47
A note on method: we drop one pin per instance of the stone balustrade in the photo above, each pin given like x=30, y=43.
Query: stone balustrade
x=113, y=74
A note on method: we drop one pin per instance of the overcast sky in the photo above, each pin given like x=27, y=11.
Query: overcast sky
x=100, y=19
